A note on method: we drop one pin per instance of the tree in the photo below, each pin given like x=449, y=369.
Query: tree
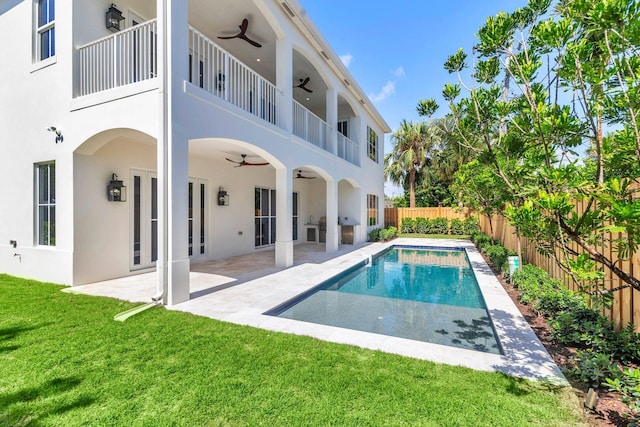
x=546, y=82
x=411, y=141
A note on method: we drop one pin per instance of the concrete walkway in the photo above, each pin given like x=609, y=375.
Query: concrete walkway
x=241, y=289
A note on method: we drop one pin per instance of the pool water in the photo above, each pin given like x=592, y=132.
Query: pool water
x=427, y=295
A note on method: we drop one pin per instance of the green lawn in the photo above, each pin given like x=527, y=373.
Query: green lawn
x=65, y=361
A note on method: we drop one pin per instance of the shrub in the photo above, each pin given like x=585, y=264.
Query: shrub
x=374, y=235
x=481, y=241
x=439, y=226
x=408, y=225
x=497, y=254
x=388, y=233
x=593, y=368
x=471, y=225
x=422, y=225
x=456, y=226
x=627, y=384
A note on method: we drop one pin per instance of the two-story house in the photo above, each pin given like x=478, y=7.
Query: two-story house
x=153, y=134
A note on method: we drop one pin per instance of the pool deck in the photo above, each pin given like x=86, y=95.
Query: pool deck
x=241, y=289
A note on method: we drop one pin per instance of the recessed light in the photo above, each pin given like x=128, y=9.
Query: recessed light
x=308, y=99
x=258, y=59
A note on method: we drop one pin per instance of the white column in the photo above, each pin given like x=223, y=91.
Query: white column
x=284, y=219
x=332, y=216
x=332, y=120
x=172, y=155
x=284, y=81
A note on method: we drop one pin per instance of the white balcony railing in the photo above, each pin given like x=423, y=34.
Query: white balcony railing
x=348, y=150
x=310, y=127
x=126, y=57
x=220, y=73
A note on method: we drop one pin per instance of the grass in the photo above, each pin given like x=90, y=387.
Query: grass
x=435, y=236
x=64, y=361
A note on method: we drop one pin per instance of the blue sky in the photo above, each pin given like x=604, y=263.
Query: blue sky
x=395, y=50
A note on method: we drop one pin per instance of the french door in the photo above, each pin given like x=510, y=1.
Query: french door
x=265, y=216
x=144, y=219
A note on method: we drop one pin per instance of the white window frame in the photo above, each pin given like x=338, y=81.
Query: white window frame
x=39, y=30
x=373, y=202
x=372, y=144
x=48, y=203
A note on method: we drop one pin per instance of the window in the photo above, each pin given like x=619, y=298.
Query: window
x=265, y=216
x=46, y=203
x=343, y=127
x=372, y=211
x=372, y=138
x=45, y=31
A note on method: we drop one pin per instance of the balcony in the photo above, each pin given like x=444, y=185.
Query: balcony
x=130, y=56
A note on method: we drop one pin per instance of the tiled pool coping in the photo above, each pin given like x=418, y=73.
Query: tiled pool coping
x=244, y=303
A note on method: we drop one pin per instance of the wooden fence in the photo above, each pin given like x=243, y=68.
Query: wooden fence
x=626, y=303
x=393, y=216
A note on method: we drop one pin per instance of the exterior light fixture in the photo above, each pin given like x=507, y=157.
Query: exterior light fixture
x=58, y=132
x=114, y=17
x=223, y=197
x=116, y=191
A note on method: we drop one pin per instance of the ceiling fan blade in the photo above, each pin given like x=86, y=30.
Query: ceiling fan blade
x=244, y=25
x=304, y=82
x=228, y=37
x=254, y=164
x=232, y=161
x=248, y=40
x=308, y=90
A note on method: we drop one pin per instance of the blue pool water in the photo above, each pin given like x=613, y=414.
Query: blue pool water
x=427, y=295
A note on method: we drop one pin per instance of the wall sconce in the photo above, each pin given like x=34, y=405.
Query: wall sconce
x=114, y=17
x=116, y=191
x=223, y=197
x=58, y=132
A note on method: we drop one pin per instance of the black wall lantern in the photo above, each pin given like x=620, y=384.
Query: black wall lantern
x=223, y=197
x=114, y=17
x=116, y=191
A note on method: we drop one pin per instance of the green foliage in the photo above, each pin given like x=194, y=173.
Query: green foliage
x=627, y=383
x=482, y=241
x=374, y=235
x=575, y=68
x=423, y=226
x=388, y=233
x=408, y=225
x=471, y=225
x=593, y=368
x=497, y=254
x=456, y=226
x=439, y=226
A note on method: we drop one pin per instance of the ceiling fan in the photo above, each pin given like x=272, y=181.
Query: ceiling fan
x=242, y=34
x=300, y=176
x=303, y=85
x=244, y=162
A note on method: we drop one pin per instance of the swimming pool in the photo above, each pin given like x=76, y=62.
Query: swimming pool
x=424, y=294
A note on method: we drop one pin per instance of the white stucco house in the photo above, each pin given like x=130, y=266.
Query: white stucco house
x=211, y=114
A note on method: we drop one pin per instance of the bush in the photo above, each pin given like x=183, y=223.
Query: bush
x=471, y=225
x=497, y=254
x=627, y=384
x=423, y=225
x=456, y=226
x=439, y=226
x=374, y=235
x=408, y=225
x=482, y=241
x=593, y=368
x=388, y=233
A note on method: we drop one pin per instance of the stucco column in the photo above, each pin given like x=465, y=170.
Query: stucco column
x=332, y=216
x=172, y=155
x=284, y=82
x=284, y=220
x=332, y=120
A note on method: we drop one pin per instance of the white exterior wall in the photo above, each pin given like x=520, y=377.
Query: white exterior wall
x=116, y=131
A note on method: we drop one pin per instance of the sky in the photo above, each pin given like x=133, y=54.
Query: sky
x=395, y=49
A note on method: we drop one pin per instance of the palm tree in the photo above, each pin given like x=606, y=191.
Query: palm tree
x=411, y=143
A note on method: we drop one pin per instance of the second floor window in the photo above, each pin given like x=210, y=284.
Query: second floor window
x=46, y=30
x=372, y=139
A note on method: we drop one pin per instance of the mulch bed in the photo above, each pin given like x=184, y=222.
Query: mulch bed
x=610, y=411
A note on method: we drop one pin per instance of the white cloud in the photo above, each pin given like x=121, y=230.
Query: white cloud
x=386, y=91
x=346, y=59
x=399, y=72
